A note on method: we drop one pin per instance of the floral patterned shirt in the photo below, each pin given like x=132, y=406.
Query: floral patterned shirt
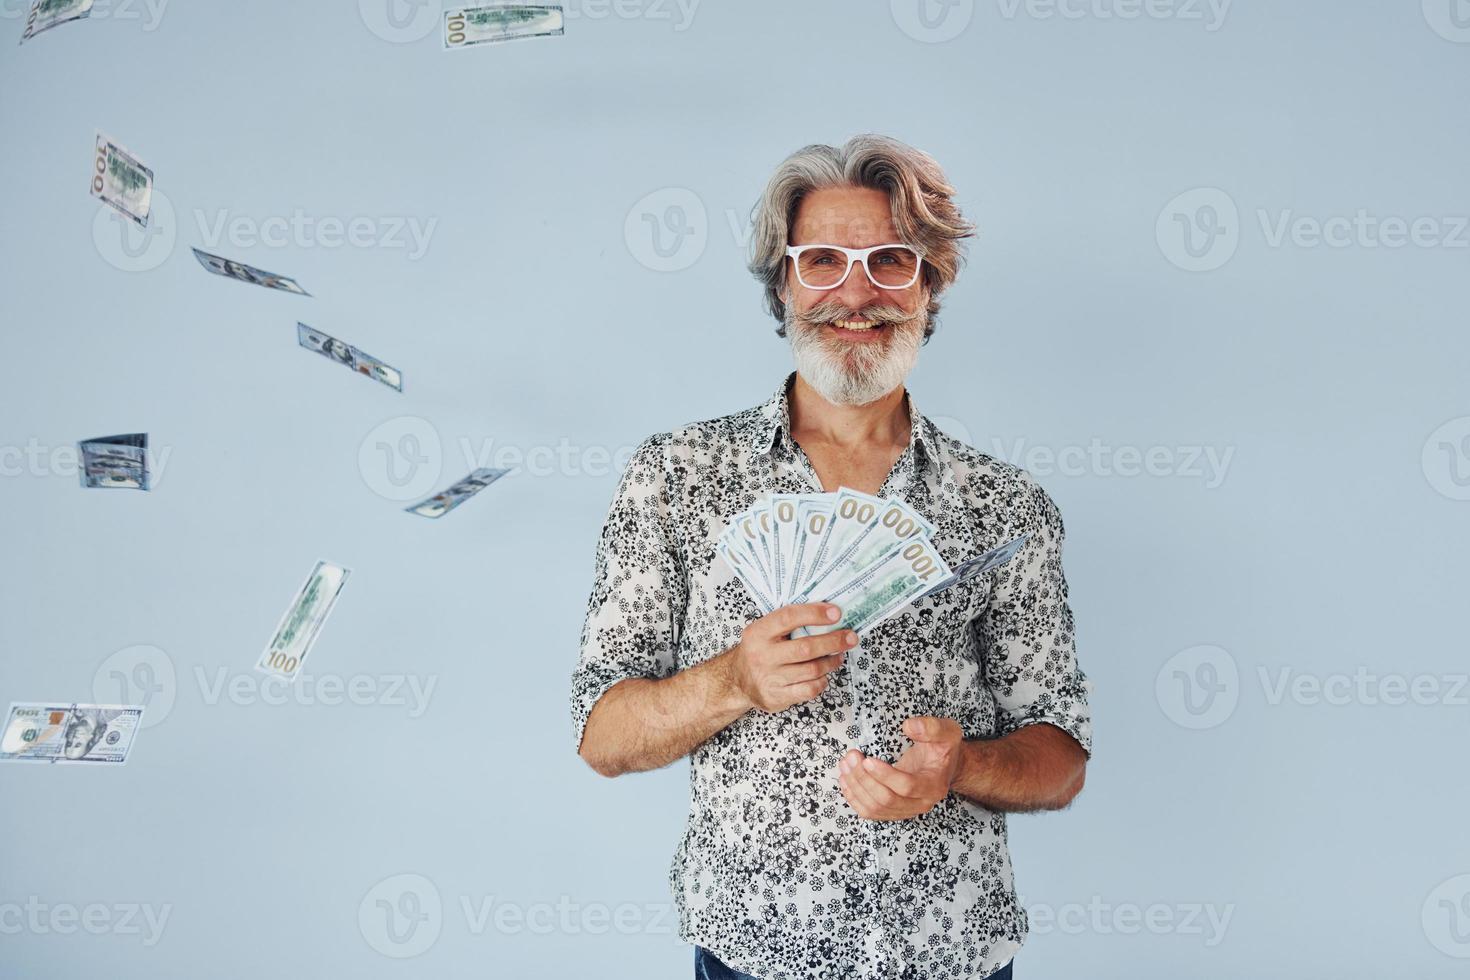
x=775, y=873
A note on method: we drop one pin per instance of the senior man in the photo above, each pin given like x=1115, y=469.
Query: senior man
x=808, y=853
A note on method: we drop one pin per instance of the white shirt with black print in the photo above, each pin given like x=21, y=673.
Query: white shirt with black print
x=775, y=872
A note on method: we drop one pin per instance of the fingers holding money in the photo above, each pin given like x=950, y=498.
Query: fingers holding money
x=774, y=671
x=783, y=621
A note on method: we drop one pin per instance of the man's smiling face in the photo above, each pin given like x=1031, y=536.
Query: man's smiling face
x=857, y=341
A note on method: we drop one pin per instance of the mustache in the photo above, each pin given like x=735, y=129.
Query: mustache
x=830, y=310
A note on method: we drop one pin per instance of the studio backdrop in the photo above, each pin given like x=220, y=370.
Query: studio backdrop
x=1216, y=307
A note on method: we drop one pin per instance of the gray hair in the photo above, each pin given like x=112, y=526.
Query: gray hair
x=924, y=211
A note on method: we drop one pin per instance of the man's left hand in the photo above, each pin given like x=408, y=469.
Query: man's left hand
x=922, y=777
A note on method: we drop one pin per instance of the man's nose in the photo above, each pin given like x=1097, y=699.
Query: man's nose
x=857, y=290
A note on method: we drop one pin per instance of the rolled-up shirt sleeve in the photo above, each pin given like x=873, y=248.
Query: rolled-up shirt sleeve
x=639, y=591
x=1026, y=637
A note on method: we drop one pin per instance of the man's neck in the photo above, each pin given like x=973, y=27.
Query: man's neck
x=884, y=422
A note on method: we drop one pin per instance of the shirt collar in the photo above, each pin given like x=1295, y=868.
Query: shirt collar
x=773, y=427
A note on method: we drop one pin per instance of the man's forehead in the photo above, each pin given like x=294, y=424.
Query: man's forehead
x=850, y=216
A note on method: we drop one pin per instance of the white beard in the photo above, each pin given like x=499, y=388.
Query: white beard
x=855, y=374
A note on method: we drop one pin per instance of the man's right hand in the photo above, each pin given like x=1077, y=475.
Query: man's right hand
x=773, y=671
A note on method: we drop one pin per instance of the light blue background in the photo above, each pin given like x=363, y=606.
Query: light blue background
x=1334, y=542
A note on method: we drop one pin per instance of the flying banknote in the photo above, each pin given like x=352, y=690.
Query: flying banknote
x=348, y=356
x=231, y=269
x=468, y=26
x=69, y=733
x=115, y=462
x=442, y=503
x=46, y=14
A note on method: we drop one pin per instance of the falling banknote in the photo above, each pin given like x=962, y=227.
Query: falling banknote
x=348, y=356
x=299, y=627
x=117, y=462
x=442, y=503
x=231, y=269
x=69, y=733
x=46, y=14
x=121, y=181
x=467, y=26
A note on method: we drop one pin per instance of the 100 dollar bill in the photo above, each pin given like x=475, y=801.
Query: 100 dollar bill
x=46, y=14
x=69, y=733
x=466, y=27
x=903, y=575
x=120, y=180
x=299, y=627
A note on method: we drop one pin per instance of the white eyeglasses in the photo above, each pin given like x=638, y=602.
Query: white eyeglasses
x=828, y=266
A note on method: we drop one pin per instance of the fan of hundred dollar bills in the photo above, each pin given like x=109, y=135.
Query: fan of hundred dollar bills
x=867, y=555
